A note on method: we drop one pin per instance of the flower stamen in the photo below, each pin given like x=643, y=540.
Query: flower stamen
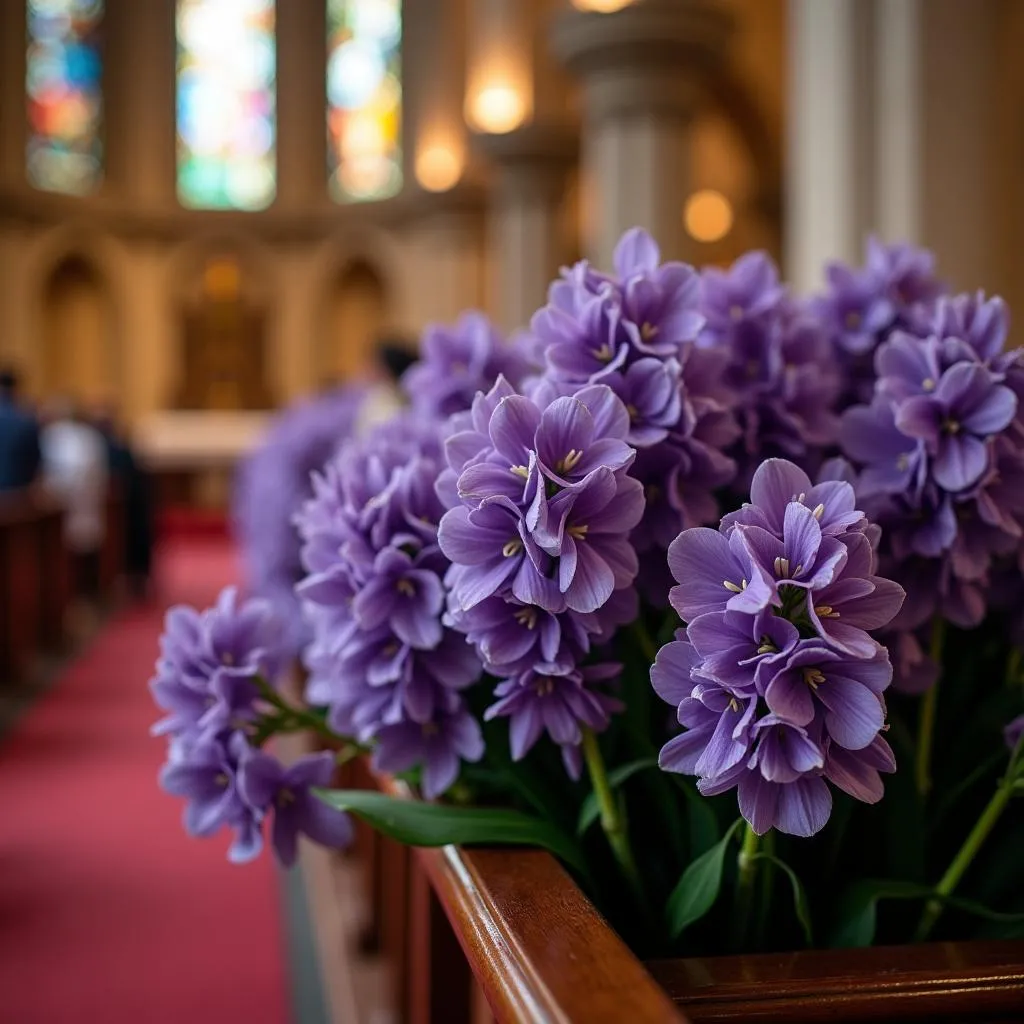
x=512, y=547
x=570, y=462
x=604, y=353
x=818, y=511
x=520, y=471
x=579, y=531
x=545, y=686
x=526, y=617
x=781, y=567
x=928, y=384
x=767, y=646
x=825, y=611
x=406, y=587
x=814, y=677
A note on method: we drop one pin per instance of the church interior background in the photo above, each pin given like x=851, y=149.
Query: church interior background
x=215, y=207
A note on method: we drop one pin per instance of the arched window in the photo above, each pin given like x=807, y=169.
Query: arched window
x=65, y=101
x=227, y=153
x=364, y=99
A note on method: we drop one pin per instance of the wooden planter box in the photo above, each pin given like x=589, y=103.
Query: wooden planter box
x=541, y=952
x=534, y=950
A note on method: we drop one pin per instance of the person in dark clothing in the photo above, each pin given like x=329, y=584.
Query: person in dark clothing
x=135, y=486
x=20, y=456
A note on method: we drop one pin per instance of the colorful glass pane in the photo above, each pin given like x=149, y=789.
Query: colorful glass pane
x=65, y=101
x=227, y=69
x=364, y=98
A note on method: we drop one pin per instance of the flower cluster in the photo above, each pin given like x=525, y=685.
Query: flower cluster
x=776, y=676
x=779, y=365
x=861, y=307
x=458, y=361
x=209, y=679
x=271, y=485
x=381, y=659
x=940, y=450
x=538, y=537
x=635, y=333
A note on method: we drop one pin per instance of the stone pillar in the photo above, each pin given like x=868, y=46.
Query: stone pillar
x=524, y=217
x=13, y=126
x=641, y=69
x=446, y=269
x=139, y=90
x=301, y=106
x=830, y=172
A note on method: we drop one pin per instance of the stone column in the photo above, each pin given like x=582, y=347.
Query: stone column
x=301, y=106
x=524, y=222
x=641, y=70
x=13, y=126
x=830, y=172
x=139, y=90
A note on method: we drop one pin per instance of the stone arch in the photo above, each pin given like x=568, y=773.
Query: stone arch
x=358, y=276
x=75, y=304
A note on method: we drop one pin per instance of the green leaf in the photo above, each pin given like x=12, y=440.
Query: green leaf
x=800, y=903
x=859, y=915
x=697, y=890
x=421, y=824
x=589, y=809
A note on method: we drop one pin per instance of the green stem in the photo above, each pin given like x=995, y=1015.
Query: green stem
x=644, y=641
x=926, y=723
x=962, y=861
x=1013, y=667
x=293, y=719
x=612, y=821
x=745, y=878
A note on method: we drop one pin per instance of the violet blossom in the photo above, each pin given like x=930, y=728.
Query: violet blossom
x=776, y=677
x=381, y=660
x=779, y=365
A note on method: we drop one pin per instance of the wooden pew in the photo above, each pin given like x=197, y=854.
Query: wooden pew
x=20, y=586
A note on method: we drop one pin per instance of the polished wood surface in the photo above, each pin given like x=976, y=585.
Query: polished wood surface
x=539, y=949
x=967, y=981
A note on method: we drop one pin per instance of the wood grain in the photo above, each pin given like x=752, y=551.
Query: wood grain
x=966, y=981
x=540, y=951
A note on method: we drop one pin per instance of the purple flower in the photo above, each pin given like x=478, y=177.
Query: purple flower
x=382, y=658
x=270, y=487
x=264, y=783
x=438, y=745
x=457, y=362
x=207, y=674
x=205, y=772
x=776, y=679
x=779, y=364
x=966, y=408
x=547, y=699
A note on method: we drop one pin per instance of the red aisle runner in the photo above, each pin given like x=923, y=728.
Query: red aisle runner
x=109, y=913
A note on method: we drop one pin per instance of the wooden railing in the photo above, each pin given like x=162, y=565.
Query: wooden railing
x=477, y=936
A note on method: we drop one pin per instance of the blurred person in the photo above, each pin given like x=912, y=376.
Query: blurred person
x=135, y=488
x=20, y=455
x=75, y=468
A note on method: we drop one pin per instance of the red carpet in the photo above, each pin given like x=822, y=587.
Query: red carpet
x=109, y=913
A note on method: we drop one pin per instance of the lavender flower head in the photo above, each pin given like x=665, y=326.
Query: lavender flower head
x=272, y=483
x=776, y=677
x=542, y=507
x=210, y=677
x=456, y=362
x=940, y=455
x=381, y=659
x=635, y=332
x=779, y=365
x=861, y=307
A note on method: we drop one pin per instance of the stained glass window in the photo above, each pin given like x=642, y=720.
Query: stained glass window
x=65, y=100
x=364, y=98
x=226, y=104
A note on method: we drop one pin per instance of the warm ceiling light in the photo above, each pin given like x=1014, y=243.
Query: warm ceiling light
x=497, y=109
x=601, y=6
x=708, y=215
x=438, y=168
